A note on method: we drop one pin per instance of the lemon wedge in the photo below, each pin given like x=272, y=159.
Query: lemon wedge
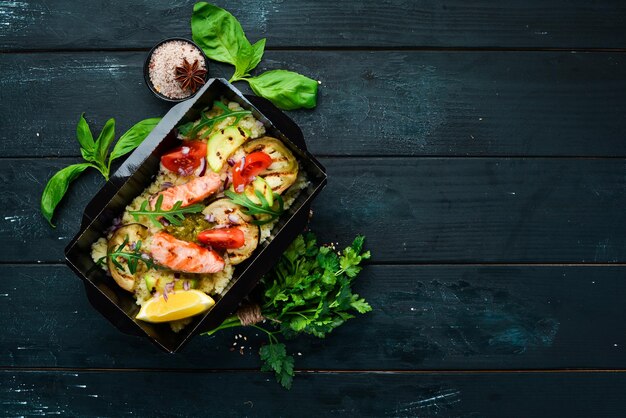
x=179, y=305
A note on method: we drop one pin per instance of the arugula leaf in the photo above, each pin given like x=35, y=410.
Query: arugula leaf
x=57, y=187
x=276, y=359
x=132, y=138
x=85, y=139
x=190, y=129
x=286, y=89
x=264, y=208
x=174, y=216
x=132, y=258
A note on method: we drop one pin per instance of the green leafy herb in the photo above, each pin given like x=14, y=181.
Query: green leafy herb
x=85, y=139
x=132, y=138
x=286, y=89
x=310, y=292
x=222, y=38
x=95, y=153
x=57, y=186
x=276, y=359
x=191, y=129
x=174, y=216
x=132, y=258
x=263, y=208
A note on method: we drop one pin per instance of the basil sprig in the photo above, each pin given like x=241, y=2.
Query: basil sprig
x=222, y=39
x=95, y=154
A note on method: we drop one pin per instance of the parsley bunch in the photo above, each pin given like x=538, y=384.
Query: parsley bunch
x=309, y=291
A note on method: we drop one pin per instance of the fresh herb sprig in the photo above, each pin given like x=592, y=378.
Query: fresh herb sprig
x=95, y=154
x=175, y=215
x=222, y=39
x=132, y=258
x=310, y=292
x=191, y=129
x=251, y=208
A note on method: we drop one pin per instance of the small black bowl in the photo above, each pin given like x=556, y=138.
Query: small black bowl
x=146, y=70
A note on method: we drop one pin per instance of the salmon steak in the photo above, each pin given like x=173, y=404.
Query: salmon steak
x=184, y=256
x=193, y=191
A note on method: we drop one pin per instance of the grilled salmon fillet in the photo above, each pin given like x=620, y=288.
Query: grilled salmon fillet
x=184, y=256
x=193, y=191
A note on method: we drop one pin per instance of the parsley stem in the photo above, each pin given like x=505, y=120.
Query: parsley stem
x=223, y=326
x=270, y=334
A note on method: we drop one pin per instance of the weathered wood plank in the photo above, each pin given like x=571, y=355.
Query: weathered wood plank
x=412, y=210
x=363, y=395
x=424, y=318
x=392, y=23
x=371, y=103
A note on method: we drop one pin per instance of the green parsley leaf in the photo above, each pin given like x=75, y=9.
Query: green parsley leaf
x=275, y=358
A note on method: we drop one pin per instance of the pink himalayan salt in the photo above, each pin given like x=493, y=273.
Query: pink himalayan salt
x=163, y=63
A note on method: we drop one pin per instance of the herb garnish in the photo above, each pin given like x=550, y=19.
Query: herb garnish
x=222, y=39
x=308, y=292
x=132, y=258
x=174, y=216
x=191, y=129
x=95, y=154
x=263, y=208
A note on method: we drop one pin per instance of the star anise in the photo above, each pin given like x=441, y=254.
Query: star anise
x=190, y=76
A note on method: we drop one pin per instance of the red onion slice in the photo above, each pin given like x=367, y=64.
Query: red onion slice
x=186, y=285
x=201, y=170
x=233, y=218
x=166, y=185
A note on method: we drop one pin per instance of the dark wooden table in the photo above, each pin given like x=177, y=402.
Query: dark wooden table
x=480, y=146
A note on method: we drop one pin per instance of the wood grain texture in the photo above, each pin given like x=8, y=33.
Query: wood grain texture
x=424, y=318
x=355, y=395
x=390, y=23
x=371, y=103
x=412, y=210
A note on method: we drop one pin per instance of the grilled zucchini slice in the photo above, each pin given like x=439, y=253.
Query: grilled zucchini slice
x=223, y=143
x=134, y=232
x=284, y=169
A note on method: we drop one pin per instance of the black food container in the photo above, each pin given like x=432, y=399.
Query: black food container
x=138, y=171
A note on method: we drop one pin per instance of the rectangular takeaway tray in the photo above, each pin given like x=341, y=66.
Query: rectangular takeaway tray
x=119, y=306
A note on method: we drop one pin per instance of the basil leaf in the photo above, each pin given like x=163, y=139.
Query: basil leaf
x=104, y=141
x=85, y=138
x=133, y=137
x=286, y=89
x=56, y=188
x=257, y=54
x=220, y=36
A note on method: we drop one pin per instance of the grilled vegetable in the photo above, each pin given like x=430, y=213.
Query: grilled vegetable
x=132, y=233
x=229, y=214
x=222, y=144
x=284, y=169
x=246, y=170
